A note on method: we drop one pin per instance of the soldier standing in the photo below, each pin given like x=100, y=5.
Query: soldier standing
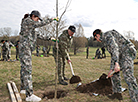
x=44, y=51
x=122, y=55
x=65, y=40
x=37, y=50
x=0, y=50
x=9, y=50
x=28, y=38
x=87, y=52
x=17, y=50
x=4, y=50
x=103, y=52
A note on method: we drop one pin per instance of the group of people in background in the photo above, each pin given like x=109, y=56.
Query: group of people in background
x=43, y=49
x=5, y=51
x=98, y=53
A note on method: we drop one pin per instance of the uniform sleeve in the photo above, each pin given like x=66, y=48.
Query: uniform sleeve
x=113, y=49
x=63, y=46
x=31, y=24
x=42, y=23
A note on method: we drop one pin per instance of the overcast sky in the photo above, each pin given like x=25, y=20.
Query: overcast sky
x=121, y=15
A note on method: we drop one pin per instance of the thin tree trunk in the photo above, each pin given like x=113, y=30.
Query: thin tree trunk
x=56, y=71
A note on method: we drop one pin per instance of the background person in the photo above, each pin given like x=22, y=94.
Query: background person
x=17, y=50
x=44, y=51
x=122, y=55
x=9, y=50
x=103, y=52
x=87, y=52
x=4, y=50
x=37, y=50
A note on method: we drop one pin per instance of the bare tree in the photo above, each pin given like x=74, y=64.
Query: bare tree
x=49, y=31
x=5, y=32
x=57, y=25
x=79, y=39
x=129, y=35
x=16, y=33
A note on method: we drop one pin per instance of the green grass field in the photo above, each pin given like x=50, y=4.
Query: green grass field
x=44, y=76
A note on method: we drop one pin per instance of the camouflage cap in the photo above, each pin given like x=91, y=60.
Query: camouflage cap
x=37, y=13
x=72, y=28
x=97, y=31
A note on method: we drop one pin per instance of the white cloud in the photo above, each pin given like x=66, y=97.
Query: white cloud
x=92, y=14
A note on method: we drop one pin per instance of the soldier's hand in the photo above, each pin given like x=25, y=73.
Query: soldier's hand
x=117, y=67
x=68, y=61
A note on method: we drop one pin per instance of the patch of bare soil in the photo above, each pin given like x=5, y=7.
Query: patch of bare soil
x=103, y=86
x=51, y=94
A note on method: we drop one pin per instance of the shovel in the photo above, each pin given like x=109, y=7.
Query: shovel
x=74, y=78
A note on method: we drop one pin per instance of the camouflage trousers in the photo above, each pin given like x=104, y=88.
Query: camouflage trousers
x=26, y=69
x=4, y=55
x=9, y=54
x=61, y=65
x=127, y=67
x=17, y=54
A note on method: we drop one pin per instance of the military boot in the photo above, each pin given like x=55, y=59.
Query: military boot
x=116, y=95
x=65, y=78
x=62, y=82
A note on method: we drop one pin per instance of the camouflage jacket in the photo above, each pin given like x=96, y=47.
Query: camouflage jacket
x=117, y=45
x=28, y=34
x=5, y=46
x=64, y=44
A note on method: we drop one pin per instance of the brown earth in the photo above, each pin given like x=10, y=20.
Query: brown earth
x=75, y=79
x=103, y=86
x=51, y=94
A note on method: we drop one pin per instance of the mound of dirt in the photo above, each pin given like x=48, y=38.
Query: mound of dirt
x=103, y=86
x=51, y=94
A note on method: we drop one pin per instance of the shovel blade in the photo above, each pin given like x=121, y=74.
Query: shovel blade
x=75, y=79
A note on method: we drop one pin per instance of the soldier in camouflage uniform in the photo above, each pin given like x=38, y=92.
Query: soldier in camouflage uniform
x=98, y=54
x=65, y=40
x=17, y=50
x=0, y=49
x=9, y=50
x=44, y=51
x=28, y=38
x=4, y=50
x=122, y=55
x=37, y=50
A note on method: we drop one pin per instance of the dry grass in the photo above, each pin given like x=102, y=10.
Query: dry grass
x=44, y=77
